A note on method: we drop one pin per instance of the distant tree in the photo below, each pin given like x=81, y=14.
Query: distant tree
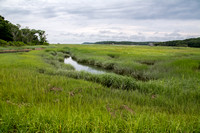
x=42, y=36
x=15, y=31
x=10, y=32
x=5, y=30
x=192, y=42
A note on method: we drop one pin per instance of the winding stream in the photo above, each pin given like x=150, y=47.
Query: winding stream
x=81, y=67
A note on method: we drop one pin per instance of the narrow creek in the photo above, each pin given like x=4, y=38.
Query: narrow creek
x=81, y=67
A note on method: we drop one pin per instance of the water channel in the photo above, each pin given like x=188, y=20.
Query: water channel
x=81, y=67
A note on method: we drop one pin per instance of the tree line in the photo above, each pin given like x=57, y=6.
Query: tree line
x=119, y=43
x=14, y=35
x=192, y=42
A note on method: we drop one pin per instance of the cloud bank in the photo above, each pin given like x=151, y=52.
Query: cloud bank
x=101, y=20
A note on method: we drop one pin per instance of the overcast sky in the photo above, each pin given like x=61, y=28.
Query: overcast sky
x=77, y=21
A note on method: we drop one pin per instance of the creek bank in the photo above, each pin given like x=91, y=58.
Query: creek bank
x=21, y=50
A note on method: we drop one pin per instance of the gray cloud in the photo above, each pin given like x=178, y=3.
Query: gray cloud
x=89, y=20
x=47, y=12
x=110, y=36
x=15, y=11
x=105, y=32
x=152, y=9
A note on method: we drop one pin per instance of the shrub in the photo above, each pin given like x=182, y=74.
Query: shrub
x=61, y=59
x=11, y=43
x=30, y=43
x=18, y=43
x=45, y=43
x=3, y=43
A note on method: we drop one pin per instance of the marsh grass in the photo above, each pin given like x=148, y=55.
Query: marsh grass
x=37, y=95
x=137, y=60
x=170, y=74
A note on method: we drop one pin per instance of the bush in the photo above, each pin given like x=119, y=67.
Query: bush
x=11, y=43
x=60, y=59
x=30, y=43
x=45, y=43
x=3, y=43
x=18, y=43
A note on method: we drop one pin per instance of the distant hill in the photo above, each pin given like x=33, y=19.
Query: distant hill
x=88, y=43
x=192, y=42
x=120, y=43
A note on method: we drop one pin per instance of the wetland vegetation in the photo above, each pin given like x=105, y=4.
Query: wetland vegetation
x=151, y=89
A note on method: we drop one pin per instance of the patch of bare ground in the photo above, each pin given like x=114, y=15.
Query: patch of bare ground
x=38, y=48
x=153, y=96
x=119, y=110
x=125, y=107
x=55, y=89
x=75, y=91
x=17, y=104
x=15, y=51
x=111, y=111
x=21, y=50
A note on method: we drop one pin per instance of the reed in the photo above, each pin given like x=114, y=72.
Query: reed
x=39, y=94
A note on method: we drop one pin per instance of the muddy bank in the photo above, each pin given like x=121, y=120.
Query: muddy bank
x=21, y=50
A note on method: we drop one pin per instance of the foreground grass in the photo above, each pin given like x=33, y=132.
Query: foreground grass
x=34, y=100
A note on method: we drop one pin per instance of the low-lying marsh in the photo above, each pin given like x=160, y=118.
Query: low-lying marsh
x=39, y=93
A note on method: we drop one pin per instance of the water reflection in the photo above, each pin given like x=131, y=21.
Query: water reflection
x=80, y=67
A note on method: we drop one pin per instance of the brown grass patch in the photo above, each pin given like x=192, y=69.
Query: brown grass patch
x=75, y=91
x=110, y=110
x=118, y=110
x=55, y=89
x=39, y=48
x=153, y=96
x=127, y=108
x=20, y=50
x=15, y=51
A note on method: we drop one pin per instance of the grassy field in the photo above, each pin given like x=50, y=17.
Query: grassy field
x=155, y=89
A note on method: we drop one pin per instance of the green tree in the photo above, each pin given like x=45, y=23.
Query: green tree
x=5, y=30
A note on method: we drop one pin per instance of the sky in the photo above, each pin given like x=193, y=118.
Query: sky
x=78, y=21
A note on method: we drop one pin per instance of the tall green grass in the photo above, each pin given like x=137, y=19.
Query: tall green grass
x=140, y=62
x=37, y=95
x=170, y=74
